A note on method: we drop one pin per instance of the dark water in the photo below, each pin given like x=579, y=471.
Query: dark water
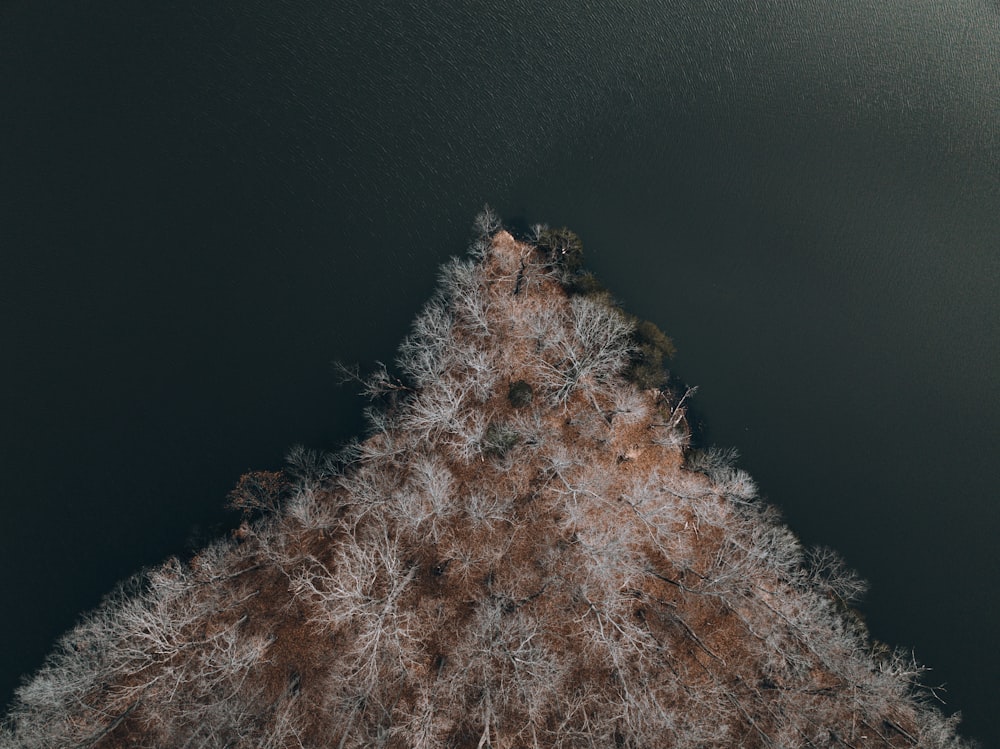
x=203, y=203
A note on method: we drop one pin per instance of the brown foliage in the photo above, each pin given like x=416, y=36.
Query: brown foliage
x=258, y=491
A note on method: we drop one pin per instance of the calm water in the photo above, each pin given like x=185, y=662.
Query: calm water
x=203, y=203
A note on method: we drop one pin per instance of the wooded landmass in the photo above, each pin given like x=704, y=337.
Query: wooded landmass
x=524, y=551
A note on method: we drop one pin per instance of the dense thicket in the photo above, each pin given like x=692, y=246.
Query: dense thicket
x=523, y=552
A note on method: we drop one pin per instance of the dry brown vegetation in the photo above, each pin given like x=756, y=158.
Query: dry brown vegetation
x=524, y=552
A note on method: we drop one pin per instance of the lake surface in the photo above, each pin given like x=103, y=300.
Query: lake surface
x=204, y=203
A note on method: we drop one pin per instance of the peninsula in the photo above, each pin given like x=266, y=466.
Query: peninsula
x=524, y=551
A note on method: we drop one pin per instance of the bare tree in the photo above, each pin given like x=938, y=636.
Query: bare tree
x=487, y=222
x=828, y=573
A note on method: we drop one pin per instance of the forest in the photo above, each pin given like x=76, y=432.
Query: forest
x=524, y=550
